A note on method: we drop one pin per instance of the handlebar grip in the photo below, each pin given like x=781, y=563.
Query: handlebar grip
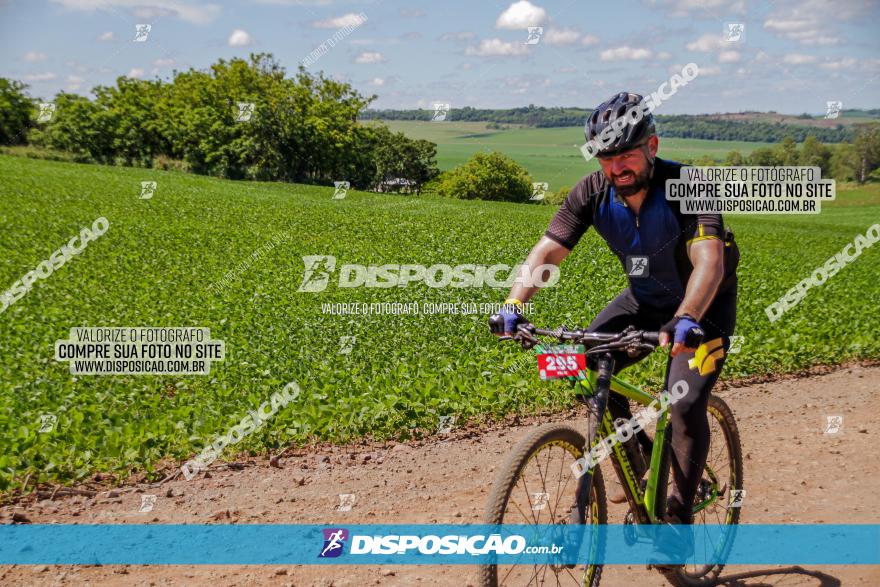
x=652, y=337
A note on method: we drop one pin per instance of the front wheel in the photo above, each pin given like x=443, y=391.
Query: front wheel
x=536, y=486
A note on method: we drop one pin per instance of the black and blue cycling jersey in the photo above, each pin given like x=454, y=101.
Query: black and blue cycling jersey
x=660, y=232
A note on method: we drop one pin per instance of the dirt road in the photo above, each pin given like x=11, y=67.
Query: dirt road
x=794, y=473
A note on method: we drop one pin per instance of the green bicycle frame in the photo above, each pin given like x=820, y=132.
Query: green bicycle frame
x=652, y=501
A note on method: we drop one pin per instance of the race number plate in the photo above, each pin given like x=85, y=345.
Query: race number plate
x=558, y=361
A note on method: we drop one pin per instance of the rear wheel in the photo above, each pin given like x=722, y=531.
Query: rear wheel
x=536, y=486
x=721, y=482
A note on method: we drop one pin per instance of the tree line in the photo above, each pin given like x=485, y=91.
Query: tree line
x=680, y=126
x=238, y=119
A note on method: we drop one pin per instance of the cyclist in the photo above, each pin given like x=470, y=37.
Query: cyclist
x=681, y=270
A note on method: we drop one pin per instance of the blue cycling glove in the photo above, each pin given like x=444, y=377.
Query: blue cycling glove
x=506, y=320
x=685, y=330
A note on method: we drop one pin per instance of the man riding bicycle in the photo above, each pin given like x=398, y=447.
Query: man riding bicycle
x=682, y=278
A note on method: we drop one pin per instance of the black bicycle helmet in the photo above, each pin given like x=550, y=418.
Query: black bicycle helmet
x=629, y=135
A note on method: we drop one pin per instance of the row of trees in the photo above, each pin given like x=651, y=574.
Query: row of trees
x=681, y=126
x=703, y=127
x=850, y=161
x=240, y=119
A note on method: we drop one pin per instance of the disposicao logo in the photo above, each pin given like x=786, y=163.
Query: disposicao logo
x=334, y=542
x=320, y=268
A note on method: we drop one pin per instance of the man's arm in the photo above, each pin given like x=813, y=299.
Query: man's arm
x=546, y=252
x=567, y=227
x=707, y=257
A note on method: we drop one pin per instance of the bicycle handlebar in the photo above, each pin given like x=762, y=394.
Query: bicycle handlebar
x=629, y=339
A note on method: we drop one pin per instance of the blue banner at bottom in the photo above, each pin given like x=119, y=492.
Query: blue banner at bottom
x=262, y=544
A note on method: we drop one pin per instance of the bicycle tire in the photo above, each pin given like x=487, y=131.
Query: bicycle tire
x=506, y=480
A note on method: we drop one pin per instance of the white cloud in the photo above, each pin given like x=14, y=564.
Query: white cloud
x=664, y=55
x=193, y=12
x=798, y=59
x=457, y=36
x=728, y=57
x=805, y=31
x=707, y=43
x=845, y=63
x=346, y=20
x=589, y=40
x=377, y=81
x=163, y=62
x=520, y=15
x=566, y=70
x=561, y=36
x=497, y=47
x=701, y=8
x=296, y=2
x=625, y=53
x=704, y=69
x=523, y=84
x=239, y=38
x=369, y=57
x=34, y=57
x=46, y=76
x=74, y=82
x=811, y=22
x=107, y=37
x=75, y=65
x=136, y=72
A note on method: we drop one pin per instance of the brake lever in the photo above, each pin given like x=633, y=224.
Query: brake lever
x=636, y=348
x=524, y=335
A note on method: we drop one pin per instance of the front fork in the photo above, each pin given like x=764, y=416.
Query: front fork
x=655, y=491
x=597, y=403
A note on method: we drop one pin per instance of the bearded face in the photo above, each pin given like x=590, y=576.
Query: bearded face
x=629, y=172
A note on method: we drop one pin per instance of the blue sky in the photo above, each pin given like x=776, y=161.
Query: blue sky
x=793, y=57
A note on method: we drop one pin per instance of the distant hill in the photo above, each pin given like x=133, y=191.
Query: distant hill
x=742, y=126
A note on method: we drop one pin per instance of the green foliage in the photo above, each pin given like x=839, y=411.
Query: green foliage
x=558, y=197
x=815, y=154
x=867, y=148
x=398, y=157
x=734, y=159
x=765, y=157
x=705, y=161
x=302, y=129
x=156, y=263
x=487, y=176
x=16, y=112
x=845, y=162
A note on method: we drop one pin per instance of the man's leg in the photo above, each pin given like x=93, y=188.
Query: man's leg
x=690, y=423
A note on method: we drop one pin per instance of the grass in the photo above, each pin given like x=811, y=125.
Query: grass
x=156, y=263
x=550, y=154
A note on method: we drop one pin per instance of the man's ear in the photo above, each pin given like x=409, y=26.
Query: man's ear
x=653, y=145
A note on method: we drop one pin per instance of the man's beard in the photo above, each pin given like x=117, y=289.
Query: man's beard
x=642, y=180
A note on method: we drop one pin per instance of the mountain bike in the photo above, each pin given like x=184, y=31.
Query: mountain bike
x=536, y=485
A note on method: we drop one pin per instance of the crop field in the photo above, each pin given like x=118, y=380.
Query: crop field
x=550, y=154
x=156, y=265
